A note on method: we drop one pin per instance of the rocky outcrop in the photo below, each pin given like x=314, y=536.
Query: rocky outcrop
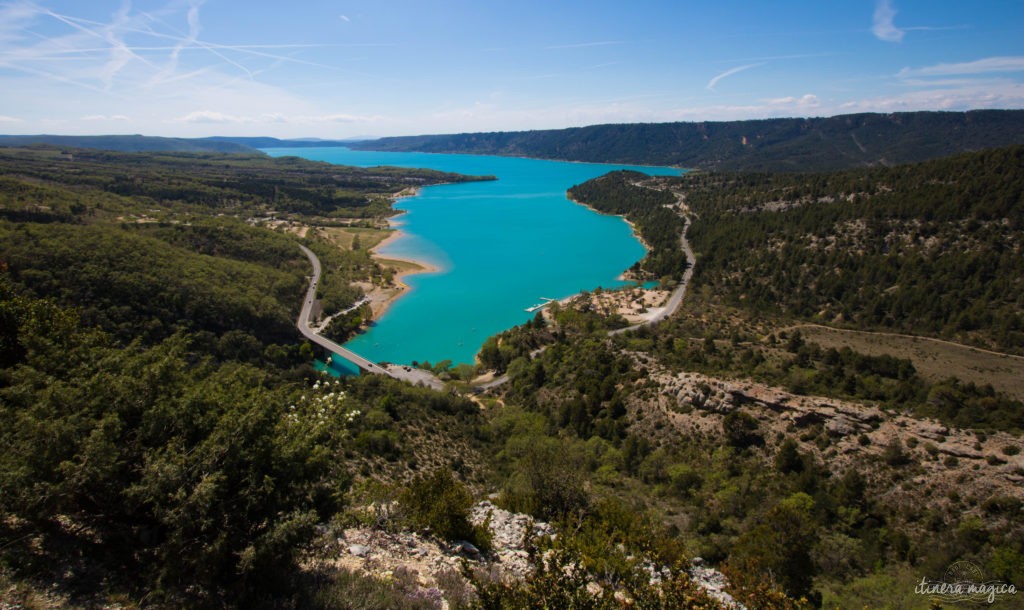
x=435, y=566
x=510, y=534
x=714, y=583
x=693, y=390
x=938, y=459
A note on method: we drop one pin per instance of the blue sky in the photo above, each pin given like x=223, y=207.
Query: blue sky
x=349, y=68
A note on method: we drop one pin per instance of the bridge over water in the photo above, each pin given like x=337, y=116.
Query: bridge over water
x=398, y=372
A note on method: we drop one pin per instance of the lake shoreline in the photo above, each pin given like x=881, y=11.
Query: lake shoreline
x=502, y=246
x=513, y=156
x=627, y=275
x=416, y=266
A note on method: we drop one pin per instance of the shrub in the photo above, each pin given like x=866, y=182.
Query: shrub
x=684, y=480
x=741, y=430
x=894, y=455
x=1007, y=505
x=788, y=458
x=440, y=503
x=779, y=548
x=383, y=443
x=545, y=484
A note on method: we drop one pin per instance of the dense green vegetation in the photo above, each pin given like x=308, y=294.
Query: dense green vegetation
x=164, y=438
x=36, y=183
x=811, y=144
x=931, y=249
x=182, y=471
x=197, y=479
x=149, y=283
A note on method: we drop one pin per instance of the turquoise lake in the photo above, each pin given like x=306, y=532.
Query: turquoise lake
x=501, y=246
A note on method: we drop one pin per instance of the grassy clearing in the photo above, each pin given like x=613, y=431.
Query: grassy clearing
x=345, y=237
x=934, y=359
x=401, y=266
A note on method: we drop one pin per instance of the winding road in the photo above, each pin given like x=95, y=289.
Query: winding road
x=411, y=375
x=308, y=332
x=675, y=300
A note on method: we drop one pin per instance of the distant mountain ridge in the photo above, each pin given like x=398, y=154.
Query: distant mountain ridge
x=128, y=143
x=140, y=143
x=792, y=144
x=786, y=145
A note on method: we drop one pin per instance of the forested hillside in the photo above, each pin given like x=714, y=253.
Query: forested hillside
x=205, y=183
x=933, y=249
x=789, y=145
x=146, y=245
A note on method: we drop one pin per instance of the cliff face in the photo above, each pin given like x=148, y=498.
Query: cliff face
x=841, y=433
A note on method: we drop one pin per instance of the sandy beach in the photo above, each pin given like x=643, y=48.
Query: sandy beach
x=382, y=298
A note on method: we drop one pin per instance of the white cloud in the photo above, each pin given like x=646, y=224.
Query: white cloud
x=714, y=81
x=336, y=118
x=981, y=95
x=8, y=119
x=14, y=17
x=207, y=116
x=133, y=49
x=211, y=116
x=982, y=66
x=102, y=117
x=805, y=101
x=883, y=27
x=344, y=18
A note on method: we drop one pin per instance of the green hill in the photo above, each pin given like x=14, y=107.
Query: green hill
x=811, y=144
x=931, y=248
